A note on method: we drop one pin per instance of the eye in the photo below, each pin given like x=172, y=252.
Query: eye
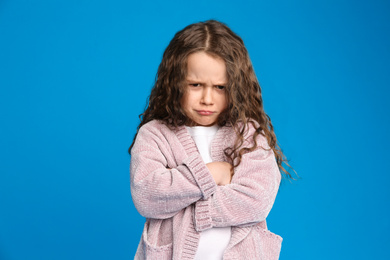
x=195, y=85
x=220, y=87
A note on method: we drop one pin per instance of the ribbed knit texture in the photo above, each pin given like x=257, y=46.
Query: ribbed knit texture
x=172, y=187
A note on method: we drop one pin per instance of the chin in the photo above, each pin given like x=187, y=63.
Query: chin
x=206, y=123
x=203, y=122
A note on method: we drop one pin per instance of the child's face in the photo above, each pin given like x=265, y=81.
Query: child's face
x=205, y=97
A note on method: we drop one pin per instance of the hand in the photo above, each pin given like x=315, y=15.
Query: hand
x=221, y=172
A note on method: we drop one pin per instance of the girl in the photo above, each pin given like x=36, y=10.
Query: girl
x=205, y=164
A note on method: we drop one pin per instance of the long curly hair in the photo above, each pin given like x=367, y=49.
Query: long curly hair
x=245, y=104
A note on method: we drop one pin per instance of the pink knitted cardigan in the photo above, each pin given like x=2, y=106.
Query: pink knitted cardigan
x=173, y=189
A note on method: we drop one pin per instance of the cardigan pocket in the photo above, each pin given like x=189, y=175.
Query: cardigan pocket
x=270, y=244
x=151, y=251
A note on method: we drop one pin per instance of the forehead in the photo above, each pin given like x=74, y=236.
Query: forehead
x=203, y=66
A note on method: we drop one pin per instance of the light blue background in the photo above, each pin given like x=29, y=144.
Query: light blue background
x=74, y=76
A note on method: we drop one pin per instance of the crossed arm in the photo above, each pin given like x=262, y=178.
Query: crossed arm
x=160, y=192
x=248, y=198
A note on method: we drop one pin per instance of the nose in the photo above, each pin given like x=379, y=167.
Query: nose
x=207, y=96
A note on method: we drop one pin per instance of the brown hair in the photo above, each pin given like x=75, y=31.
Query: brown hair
x=245, y=102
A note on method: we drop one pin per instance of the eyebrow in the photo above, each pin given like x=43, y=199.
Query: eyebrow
x=201, y=82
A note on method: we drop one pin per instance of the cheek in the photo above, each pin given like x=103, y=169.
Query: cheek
x=224, y=102
x=184, y=102
x=188, y=99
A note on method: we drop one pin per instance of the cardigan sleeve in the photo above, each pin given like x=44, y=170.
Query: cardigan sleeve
x=158, y=191
x=248, y=198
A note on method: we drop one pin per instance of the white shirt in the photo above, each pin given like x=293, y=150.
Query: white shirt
x=213, y=241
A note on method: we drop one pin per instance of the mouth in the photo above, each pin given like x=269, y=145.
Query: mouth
x=205, y=112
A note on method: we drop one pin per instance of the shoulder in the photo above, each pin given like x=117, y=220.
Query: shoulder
x=171, y=141
x=155, y=127
x=153, y=132
x=160, y=133
x=152, y=125
x=252, y=129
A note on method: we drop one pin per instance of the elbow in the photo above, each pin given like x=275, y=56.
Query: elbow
x=150, y=210
x=150, y=207
x=262, y=211
x=254, y=213
x=264, y=206
x=266, y=201
x=261, y=207
x=142, y=207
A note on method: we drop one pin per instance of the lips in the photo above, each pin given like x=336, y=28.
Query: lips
x=205, y=112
